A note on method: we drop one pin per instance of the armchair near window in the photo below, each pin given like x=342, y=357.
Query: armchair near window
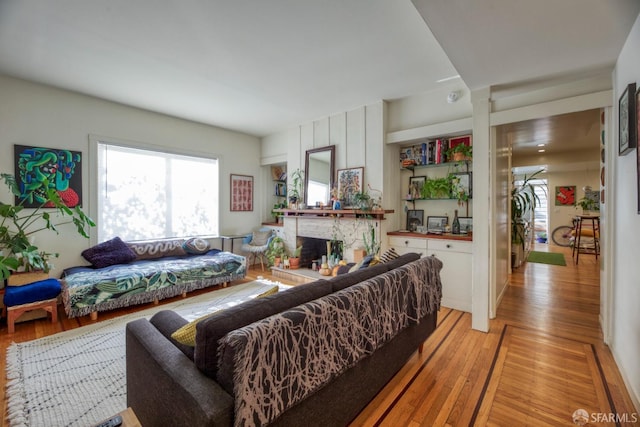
x=256, y=244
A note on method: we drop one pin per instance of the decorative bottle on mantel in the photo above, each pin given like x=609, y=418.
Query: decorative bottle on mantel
x=455, y=226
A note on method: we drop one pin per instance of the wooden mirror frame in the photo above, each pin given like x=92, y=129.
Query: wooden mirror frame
x=332, y=151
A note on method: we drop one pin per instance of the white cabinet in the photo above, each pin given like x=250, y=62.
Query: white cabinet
x=456, y=257
x=456, y=272
x=404, y=245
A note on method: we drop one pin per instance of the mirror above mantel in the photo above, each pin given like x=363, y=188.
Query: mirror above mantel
x=319, y=169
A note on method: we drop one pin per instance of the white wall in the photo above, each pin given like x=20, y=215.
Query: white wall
x=562, y=215
x=38, y=115
x=625, y=342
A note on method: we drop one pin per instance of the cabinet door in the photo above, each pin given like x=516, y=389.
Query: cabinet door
x=404, y=245
x=456, y=272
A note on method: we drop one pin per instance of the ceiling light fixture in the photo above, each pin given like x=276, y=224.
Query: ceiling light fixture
x=541, y=145
x=541, y=151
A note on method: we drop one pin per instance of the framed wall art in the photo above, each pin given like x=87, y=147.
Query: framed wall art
x=415, y=187
x=437, y=224
x=415, y=219
x=241, y=193
x=57, y=168
x=565, y=195
x=350, y=181
x=627, y=127
x=637, y=116
x=462, y=185
x=466, y=224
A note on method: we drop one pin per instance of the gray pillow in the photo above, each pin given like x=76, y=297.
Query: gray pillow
x=260, y=238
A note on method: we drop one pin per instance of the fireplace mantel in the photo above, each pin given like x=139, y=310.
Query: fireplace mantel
x=347, y=225
x=377, y=214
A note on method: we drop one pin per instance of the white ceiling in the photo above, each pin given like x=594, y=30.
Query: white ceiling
x=263, y=66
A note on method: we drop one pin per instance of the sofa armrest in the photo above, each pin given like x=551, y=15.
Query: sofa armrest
x=164, y=387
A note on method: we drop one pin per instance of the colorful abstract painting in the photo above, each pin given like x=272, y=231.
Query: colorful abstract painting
x=566, y=195
x=36, y=168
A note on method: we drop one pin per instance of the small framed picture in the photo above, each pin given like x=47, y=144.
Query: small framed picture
x=462, y=185
x=437, y=224
x=350, y=182
x=627, y=139
x=415, y=187
x=466, y=224
x=241, y=193
x=415, y=219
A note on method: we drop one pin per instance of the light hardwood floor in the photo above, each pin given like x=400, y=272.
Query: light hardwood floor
x=542, y=359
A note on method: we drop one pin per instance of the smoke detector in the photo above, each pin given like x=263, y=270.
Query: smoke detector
x=453, y=97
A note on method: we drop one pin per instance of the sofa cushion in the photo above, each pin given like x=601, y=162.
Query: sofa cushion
x=153, y=249
x=195, y=246
x=33, y=292
x=187, y=333
x=358, y=275
x=110, y=252
x=389, y=255
x=402, y=260
x=212, y=329
x=166, y=322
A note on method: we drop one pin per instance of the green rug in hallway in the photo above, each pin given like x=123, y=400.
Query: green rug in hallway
x=553, y=258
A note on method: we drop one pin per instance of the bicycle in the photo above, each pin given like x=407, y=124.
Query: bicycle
x=564, y=235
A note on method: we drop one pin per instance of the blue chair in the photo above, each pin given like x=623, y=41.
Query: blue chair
x=256, y=244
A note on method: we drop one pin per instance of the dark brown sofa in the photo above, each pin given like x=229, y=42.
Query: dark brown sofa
x=315, y=354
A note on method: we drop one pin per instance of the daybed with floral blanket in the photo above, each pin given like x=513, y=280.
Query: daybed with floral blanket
x=151, y=274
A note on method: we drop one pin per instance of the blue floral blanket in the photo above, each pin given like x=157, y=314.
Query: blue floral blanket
x=87, y=289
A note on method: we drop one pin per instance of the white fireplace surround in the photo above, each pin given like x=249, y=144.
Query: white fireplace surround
x=349, y=230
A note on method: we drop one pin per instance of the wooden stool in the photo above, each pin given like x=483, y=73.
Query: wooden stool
x=50, y=305
x=40, y=295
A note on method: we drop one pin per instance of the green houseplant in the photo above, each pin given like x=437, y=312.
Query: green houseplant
x=460, y=152
x=588, y=205
x=275, y=251
x=523, y=199
x=363, y=200
x=19, y=224
x=296, y=188
x=437, y=188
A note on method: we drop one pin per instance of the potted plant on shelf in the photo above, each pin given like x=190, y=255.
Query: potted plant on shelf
x=460, y=153
x=18, y=225
x=296, y=188
x=363, y=200
x=437, y=188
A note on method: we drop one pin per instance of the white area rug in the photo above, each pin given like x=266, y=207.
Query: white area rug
x=77, y=378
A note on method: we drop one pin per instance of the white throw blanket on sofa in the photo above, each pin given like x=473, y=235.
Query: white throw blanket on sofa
x=284, y=358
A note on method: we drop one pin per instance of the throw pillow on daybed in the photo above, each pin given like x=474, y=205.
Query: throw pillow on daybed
x=111, y=252
x=153, y=249
x=195, y=246
x=187, y=334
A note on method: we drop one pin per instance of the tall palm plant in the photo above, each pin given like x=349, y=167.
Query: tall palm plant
x=523, y=200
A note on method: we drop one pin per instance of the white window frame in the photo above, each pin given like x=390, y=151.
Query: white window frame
x=95, y=204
